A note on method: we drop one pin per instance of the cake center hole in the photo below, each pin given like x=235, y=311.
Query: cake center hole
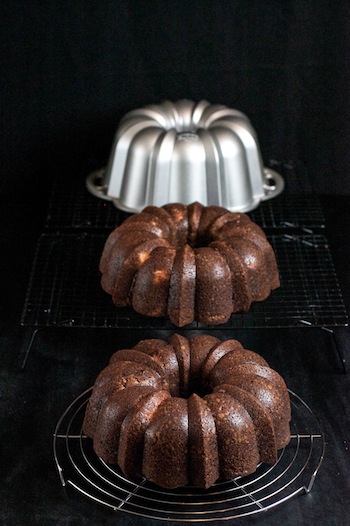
x=199, y=241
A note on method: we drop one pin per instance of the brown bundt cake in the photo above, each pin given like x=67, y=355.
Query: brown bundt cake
x=191, y=263
x=188, y=411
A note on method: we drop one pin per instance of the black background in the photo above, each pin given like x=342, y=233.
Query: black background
x=71, y=69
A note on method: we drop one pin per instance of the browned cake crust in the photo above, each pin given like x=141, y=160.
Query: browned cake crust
x=133, y=355
x=150, y=290
x=262, y=420
x=181, y=301
x=164, y=354
x=194, y=212
x=178, y=212
x=188, y=263
x=165, y=456
x=215, y=354
x=132, y=433
x=188, y=411
x=133, y=262
x=235, y=432
x=241, y=290
x=203, y=444
x=208, y=217
x=213, y=303
x=181, y=347
x=110, y=419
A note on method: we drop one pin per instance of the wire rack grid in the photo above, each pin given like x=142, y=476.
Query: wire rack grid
x=78, y=210
x=65, y=287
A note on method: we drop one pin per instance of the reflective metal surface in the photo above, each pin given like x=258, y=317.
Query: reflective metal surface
x=185, y=152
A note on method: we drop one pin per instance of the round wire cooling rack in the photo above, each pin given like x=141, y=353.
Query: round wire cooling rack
x=293, y=474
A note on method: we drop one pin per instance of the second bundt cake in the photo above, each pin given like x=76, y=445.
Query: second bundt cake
x=188, y=411
x=191, y=263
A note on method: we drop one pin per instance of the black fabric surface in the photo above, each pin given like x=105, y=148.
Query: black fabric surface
x=70, y=70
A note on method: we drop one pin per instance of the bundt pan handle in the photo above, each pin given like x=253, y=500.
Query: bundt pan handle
x=273, y=184
x=185, y=152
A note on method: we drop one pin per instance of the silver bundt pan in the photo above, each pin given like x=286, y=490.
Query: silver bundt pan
x=185, y=152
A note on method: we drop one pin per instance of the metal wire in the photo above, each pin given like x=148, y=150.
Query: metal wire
x=64, y=287
x=72, y=207
x=293, y=474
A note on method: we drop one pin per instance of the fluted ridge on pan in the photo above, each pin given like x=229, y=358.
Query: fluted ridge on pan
x=183, y=115
x=185, y=151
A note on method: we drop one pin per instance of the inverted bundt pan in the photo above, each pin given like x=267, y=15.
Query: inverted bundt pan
x=185, y=152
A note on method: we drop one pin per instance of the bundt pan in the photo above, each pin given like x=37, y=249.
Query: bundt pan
x=185, y=152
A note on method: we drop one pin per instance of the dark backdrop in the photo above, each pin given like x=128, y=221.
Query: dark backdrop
x=71, y=69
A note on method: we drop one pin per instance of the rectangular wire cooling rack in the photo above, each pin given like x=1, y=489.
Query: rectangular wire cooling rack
x=64, y=288
x=76, y=209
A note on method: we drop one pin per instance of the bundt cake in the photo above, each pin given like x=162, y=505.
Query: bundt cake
x=188, y=411
x=191, y=263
